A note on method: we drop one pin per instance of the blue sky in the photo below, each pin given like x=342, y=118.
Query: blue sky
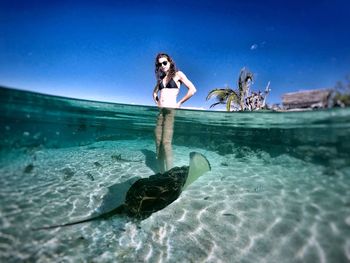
x=105, y=50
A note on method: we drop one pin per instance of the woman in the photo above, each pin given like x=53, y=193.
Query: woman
x=168, y=85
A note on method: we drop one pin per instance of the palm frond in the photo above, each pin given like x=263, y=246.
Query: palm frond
x=220, y=94
x=216, y=103
x=232, y=98
x=244, y=80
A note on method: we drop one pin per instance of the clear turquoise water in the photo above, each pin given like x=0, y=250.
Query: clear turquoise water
x=277, y=191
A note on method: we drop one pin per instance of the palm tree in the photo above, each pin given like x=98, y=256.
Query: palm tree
x=245, y=79
x=235, y=98
x=225, y=96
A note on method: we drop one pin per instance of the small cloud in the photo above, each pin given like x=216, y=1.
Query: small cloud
x=253, y=47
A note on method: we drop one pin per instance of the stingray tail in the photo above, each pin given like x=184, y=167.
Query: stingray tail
x=101, y=216
x=67, y=224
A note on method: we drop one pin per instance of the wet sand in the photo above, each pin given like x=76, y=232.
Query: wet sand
x=256, y=208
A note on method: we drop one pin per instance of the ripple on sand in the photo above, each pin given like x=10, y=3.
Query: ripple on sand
x=244, y=211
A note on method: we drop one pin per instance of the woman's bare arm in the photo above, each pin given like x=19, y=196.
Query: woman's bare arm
x=191, y=88
x=155, y=94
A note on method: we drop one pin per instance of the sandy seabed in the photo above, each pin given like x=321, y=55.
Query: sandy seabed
x=256, y=208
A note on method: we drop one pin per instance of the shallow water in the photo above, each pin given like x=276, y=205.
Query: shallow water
x=277, y=190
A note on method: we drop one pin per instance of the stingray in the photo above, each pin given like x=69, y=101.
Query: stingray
x=140, y=197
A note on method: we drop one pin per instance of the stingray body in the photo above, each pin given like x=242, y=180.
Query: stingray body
x=149, y=195
x=140, y=197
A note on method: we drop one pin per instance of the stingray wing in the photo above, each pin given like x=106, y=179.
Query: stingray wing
x=115, y=196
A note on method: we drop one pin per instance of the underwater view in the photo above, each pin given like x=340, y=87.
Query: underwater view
x=277, y=189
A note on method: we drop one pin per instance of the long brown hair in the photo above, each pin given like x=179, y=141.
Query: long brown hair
x=160, y=74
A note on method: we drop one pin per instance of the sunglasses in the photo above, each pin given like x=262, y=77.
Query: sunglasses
x=164, y=63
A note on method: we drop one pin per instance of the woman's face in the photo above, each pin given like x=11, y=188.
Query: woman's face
x=164, y=64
